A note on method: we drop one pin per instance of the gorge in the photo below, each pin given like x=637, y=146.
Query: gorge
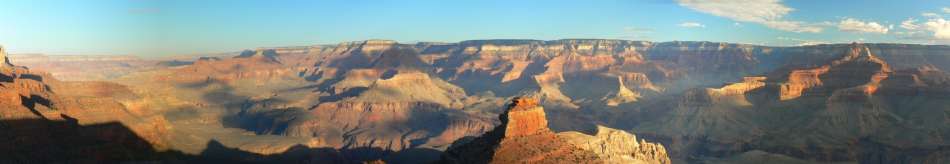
x=610, y=101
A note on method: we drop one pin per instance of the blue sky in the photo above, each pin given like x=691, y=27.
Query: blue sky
x=173, y=27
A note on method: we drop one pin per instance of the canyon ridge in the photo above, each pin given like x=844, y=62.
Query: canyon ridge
x=485, y=101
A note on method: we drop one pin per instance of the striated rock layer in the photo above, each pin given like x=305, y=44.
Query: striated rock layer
x=43, y=120
x=617, y=146
x=377, y=99
x=523, y=137
x=851, y=108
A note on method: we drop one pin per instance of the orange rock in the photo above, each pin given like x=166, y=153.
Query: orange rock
x=524, y=117
x=523, y=137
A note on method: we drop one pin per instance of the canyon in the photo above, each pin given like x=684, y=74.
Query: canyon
x=490, y=101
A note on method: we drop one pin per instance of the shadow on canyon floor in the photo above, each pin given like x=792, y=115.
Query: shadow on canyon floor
x=65, y=141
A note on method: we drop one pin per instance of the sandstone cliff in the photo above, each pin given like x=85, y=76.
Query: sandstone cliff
x=6, y=60
x=523, y=137
x=616, y=146
x=714, y=97
x=377, y=99
x=853, y=102
x=44, y=120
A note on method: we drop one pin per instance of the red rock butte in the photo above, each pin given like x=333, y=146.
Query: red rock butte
x=524, y=117
x=524, y=137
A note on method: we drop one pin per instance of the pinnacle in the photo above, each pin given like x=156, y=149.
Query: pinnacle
x=6, y=60
x=522, y=103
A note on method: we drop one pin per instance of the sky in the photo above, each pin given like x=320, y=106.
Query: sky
x=179, y=27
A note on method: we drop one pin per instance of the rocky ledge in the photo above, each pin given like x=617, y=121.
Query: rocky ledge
x=524, y=137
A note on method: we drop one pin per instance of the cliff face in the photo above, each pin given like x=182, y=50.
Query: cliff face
x=44, y=120
x=390, y=126
x=671, y=91
x=258, y=65
x=24, y=93
x=550, y=68
x=523, y=137
x=524, y=118
x=857, y=67
x=616, y=146
x=557, y=69
x=6, y=60
x=854, y=102
x=380, y=99
x=622, y=95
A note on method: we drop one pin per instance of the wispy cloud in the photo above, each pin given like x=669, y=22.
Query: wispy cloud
x=935, y=29
x=946, y=10
x=692, y=25
x=940, y=27
x=858, y=26
x=910, y=24
x=930, y=15
x=766, y=12
x=801, y=42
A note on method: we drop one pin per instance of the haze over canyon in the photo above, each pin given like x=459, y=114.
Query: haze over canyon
x=484, y=101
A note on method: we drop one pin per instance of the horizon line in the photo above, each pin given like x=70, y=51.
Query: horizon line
x=446, y=42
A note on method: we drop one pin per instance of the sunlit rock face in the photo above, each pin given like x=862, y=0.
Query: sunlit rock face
x=622, y=95
x=704, y=100
x=847, y=103
x=383, y=100
x=855, y=68
x=44, y=120
x=6, y=60
x=523, y=137
x=617, y=146
x=524, y=118
x=23, y=91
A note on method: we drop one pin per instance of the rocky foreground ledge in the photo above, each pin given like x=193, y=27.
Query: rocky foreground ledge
x=524, y=137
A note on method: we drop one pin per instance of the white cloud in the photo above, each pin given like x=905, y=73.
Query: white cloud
x=930, y=15
x=692, y=25
x=767, y=12
x=793, y=26
x=857, y=26
x=801, y=42
x=940, y=27
x=910, y=24
x=936, y=29
x=946, y=10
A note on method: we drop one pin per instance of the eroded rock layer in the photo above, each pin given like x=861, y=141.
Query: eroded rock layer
x=378, y=99
x=523, y=137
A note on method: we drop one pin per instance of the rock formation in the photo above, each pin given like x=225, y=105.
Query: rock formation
x=703, y=96
x=24, y=93
x=44, y=120
x=617, y=146
x=523, y=137
x=265, y=55
x=378, y=99
x=6, y=61
x=623, y=95
x=848, y=100
x=848, y=71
